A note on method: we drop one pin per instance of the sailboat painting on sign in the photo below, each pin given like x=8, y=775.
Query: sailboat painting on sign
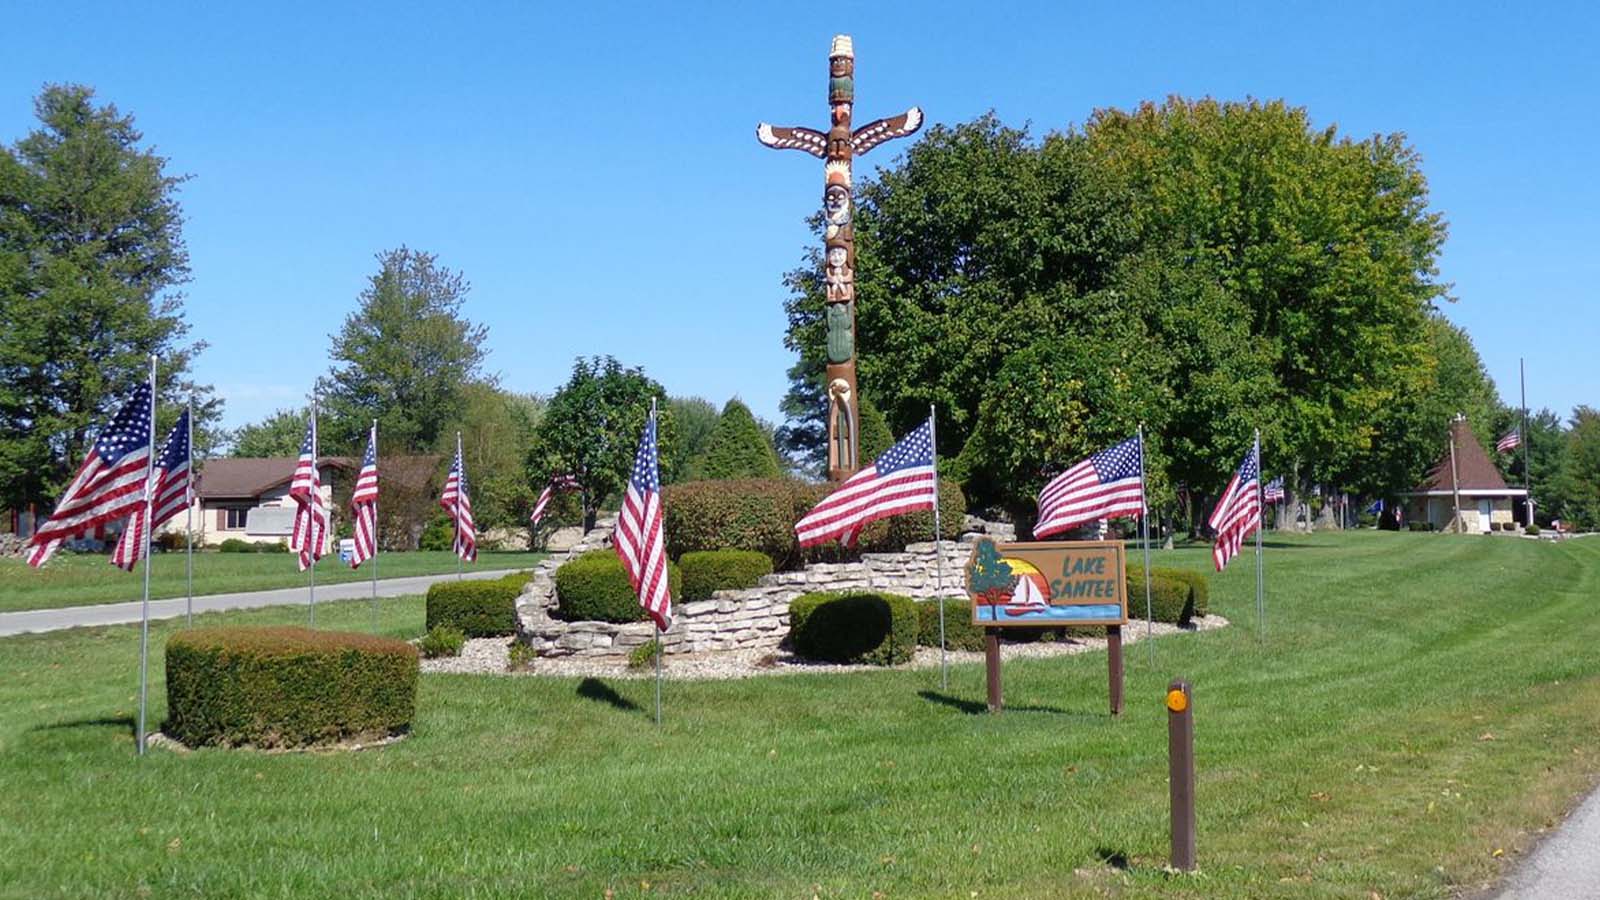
x=1047, y=583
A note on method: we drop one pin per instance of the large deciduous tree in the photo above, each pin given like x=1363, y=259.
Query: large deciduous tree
x=91, y=259
x=591, y=429
x=279, y=434
x=405, y=357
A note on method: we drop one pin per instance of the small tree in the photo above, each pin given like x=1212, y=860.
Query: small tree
x=695, y=418
x=739, y=447
x=591, y=429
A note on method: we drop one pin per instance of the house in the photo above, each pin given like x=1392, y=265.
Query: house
x=1487, y=504
x=248, y=498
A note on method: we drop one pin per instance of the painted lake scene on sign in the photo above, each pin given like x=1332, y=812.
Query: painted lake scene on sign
x=1047, y=583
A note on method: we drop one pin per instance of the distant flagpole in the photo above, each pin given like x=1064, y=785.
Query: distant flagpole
x=1261, y=590
x=376, y=612
x=311, y=526
x=188, y=527
x=1527, y=466
x=938, y=551
x=461, y=464
x=144, y=616
x=1144, y=529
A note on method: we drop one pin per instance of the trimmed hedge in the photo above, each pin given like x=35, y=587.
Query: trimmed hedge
x=480, y=608
x=286, y=687
x=1171, y=600
x=959, y=631
x=872, y=628
x=1197, y=580
x=594, y=588
x=707, y=571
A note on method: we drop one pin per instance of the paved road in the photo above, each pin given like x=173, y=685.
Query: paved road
x=1565, y=865
x=118, y=613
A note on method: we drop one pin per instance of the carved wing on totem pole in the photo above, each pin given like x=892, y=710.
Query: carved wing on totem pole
x=780, y=138
x=874, y=133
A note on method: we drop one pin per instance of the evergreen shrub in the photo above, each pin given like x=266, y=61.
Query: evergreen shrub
x=707, y=571
x=595, y=588
x=959, y=631
x=480, y=608
x=286, y=687
x=872, y=628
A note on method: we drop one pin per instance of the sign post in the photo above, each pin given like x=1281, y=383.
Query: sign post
x=1180, y=773
x=1050, y=583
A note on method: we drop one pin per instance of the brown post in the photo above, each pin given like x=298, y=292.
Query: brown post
x=1180, y=773
x=991, y=659
x=1114, y=666
x=838, y=147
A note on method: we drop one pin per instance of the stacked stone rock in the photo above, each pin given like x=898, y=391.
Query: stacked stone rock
x=753, y=618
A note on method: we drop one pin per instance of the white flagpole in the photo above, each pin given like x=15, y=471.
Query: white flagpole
x=460, y=464
x=188, y=527
x=938, y=551
x=1261, y=591
x=1144, y=528
x=144, y=617
x=660, y=634
x=376, y=612
x=311, y=524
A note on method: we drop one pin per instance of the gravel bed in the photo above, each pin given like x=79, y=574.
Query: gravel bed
x=492, y=656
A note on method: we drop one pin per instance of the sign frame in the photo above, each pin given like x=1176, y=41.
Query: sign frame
x=1071, y=570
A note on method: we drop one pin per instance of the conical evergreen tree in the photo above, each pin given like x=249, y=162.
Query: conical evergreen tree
x=739, y=448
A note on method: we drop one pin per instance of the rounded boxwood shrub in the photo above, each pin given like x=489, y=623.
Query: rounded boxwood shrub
x=286, y=687
x=1532, y=529
x=872, y=628
x=1171, y=600
x=235, y=545
x=480, y=608
x=1196, y=580
x=959, y=631
x=707, y=571
x=594, y=588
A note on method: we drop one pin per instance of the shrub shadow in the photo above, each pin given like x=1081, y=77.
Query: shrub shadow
x=128, y=722
x=974, y=707
x=595, y=689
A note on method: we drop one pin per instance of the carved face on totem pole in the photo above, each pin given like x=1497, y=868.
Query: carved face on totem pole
x=836, y=207
x=838, y=278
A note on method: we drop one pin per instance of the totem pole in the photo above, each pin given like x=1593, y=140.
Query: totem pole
x=837, y=148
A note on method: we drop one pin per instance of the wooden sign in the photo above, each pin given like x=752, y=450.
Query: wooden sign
x=1049, y=583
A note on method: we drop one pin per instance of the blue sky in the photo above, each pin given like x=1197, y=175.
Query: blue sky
x=592, y=168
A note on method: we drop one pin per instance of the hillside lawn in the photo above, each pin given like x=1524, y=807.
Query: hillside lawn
x=1421, y=707
x=79, y=579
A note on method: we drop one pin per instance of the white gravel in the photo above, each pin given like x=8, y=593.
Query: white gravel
x=492, y=656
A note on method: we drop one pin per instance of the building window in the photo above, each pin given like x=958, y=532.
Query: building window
x=235, y=517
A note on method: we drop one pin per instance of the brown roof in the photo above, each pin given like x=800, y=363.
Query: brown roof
x=1477, y=471
x=249, y=477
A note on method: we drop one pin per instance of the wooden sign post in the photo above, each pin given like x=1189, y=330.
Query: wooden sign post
x=1180, y=772
x=1049, y=584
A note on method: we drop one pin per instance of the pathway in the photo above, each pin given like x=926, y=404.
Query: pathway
x=120, y=613
x=1565, y=865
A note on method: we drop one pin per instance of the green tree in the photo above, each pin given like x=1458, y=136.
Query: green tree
x=695, y=418
x=876, y=438
x=1577, y=487
x=591, y=429
x=91, y=259
x=405, y=357
x=497, y=427
x=279, y=434
x=739, y=448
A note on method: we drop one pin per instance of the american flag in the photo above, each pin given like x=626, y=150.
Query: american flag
x=557, y=483
x=170, y=496
x=1238, y=513
x=305, y=489
x=364, y=504
x=1511, y=441
x=1273, y=492
x=638, y=537
x=109, y=485
x=458, y=503
x=1109, y=483
x=904, y=479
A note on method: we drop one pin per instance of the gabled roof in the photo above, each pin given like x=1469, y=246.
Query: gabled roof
x=249, y=477
x=1476, y=470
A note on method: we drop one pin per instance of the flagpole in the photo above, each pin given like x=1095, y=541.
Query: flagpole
x=1144, y=528
x=660, y=634
x=1527, y=466
x=311, y=523
x=144, y=617
x=938, y=551
x=460, y=464
x=1261, y=596
x=376, y=612
x=188, y=527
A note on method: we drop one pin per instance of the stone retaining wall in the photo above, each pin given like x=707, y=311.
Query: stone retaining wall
x=754, y=618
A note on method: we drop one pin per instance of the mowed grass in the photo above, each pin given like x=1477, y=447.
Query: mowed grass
x=1419, y=702
x=78, y=579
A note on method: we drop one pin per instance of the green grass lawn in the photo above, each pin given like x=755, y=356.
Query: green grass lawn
x=73, y=579
x=1420, y=701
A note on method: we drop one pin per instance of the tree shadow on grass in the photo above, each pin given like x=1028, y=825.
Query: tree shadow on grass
x=128, y=722
x=973, y=707
x=595, y=689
